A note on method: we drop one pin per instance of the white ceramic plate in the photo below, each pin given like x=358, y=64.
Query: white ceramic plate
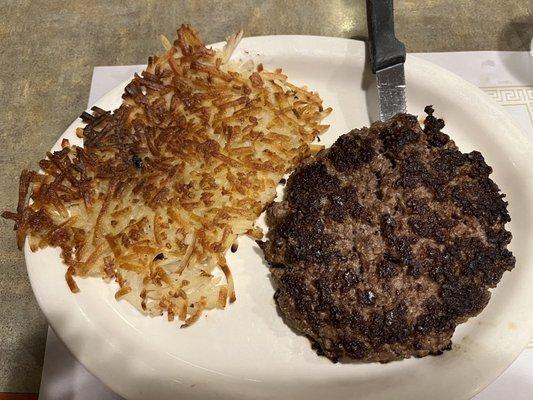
x=246, y=351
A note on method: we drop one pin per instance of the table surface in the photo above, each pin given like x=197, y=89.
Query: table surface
x=48, y=51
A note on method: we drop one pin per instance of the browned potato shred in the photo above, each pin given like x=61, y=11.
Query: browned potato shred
x=165, y=183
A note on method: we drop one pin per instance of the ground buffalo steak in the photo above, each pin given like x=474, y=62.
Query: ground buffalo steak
x=387, y=241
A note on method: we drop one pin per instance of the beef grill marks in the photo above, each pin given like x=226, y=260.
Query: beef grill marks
x=387, y=241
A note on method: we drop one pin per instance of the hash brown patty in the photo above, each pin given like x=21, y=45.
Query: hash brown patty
x=387, y=241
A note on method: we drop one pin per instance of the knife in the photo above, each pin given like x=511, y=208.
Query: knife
x=387, y=56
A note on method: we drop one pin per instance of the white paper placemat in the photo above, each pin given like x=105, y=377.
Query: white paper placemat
x=505, y=76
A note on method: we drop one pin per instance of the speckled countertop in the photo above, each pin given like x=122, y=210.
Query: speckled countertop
x=48, y=51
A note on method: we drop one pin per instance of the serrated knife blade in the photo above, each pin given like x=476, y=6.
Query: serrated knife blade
x=391, y=91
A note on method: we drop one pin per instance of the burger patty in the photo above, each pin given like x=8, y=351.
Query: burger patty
x=387, y=241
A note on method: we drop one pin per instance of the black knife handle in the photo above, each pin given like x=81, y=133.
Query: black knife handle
x=385, y=49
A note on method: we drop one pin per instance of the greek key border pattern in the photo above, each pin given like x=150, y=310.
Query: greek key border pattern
x=513, y=96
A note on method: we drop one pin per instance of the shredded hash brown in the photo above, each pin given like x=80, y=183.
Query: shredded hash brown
x=164, y=184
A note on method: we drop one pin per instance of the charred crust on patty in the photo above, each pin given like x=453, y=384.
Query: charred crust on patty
x=387, y=241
